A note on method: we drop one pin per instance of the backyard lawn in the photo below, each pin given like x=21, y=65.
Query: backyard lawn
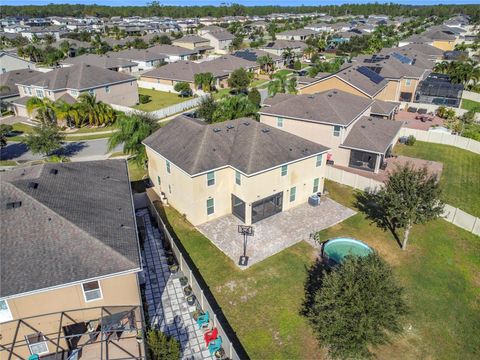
x=461, y=172
x=470, y=105
x=258, y=82
x=159, y=99
x=284, y=72
x=439, y=271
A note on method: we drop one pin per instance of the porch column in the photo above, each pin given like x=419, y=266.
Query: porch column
x=377, y=163
x=248, y=213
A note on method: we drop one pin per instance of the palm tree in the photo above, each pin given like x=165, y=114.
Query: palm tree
x=309, y=52
x=68, y=113
x=292, y=85
x=278, y=84
x=442, y=67
x=45, y=110
x=266, y=63
x=288, y=55
x=96, y=113
x=204, y=81
x=132, y=130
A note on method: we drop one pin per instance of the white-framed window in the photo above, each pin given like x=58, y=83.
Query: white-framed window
x=39, y=93
x=211, y=178
x=107, y=89
x=316, y=183
x=279, y=122
x=5, y=314
x=336, y=130
x=408, y=82
x=293, y=193
x=74, y=92
x=169, y=188
x=319, y=160
x=91, y=92
x=29, y=90
x=92, y=291
x=159, y=180
x=210, y=206
x=284, y=170
x=168, y=166
x=238, y=178
x=37, y=343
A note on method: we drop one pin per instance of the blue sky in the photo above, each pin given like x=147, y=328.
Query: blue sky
x=217, y=2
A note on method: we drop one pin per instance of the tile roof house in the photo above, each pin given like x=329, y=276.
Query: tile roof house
x=324, y=118
x=235, y=167
x=165, y=77
x=65, y=247
x=108, y=86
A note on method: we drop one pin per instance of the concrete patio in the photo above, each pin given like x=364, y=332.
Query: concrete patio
x=275, y=233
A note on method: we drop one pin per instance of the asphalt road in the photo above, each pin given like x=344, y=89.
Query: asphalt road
x=82, y=150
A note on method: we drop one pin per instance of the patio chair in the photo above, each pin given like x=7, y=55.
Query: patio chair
x=203, y=320
x=215, y=345
x=210, y=335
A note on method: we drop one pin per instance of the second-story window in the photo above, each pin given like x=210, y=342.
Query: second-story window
x=91, y=92
x=336, y=130
x=279, y=122
x=210, y=178
x=107, y=89
x=408, y=82
x=92, y=291
x=318, y=161
x=284, y=170
x=238, y=178
x=168, y=166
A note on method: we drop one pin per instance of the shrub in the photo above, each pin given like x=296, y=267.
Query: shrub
x=162, y=346
x=255, y=97
x=144, y=99
x=297, y=65
x=183, y=88
x=410, y=140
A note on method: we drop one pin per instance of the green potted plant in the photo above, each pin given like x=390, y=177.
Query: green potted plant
x=173, y=268
x=187, y=290
x=183, y=281
x=191, y=300
x=139, y=336
x=196, y=314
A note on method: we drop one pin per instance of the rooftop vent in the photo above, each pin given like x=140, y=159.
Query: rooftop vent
x=310, y=96
x=265, y=130
x=54, y=171
x=230, y=126
x=363, y=126
x=329, y=95
x=32, y=185
x=216, y=130
x=246, y=123
x=14, y=204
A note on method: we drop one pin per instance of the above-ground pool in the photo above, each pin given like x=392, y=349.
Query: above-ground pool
x=336, y=249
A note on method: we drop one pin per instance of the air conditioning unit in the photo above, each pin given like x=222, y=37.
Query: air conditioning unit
x=314, y=200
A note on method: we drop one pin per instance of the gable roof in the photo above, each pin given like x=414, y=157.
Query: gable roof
x=78, y=77
x=190, y=39
x=391, y=68
x=104, y=61
x=253, y=54
x=244, y=144
x=283, y=44
x=384, y=108
x=372, y=134
x=221, y=35
x=75, y=225
x=325, y=107
x=11, y=78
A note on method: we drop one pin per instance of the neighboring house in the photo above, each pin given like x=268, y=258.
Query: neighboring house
x=173, y=53
x=437, y=89
x=439, y=37
x=74, y=46
x=428, y=51
x=403, y=73
x=165, y=77
x=220, y=40
x=9, y=81
x=145, y=59
x=298, y=35
x=103, y=61
x=278, y=47
x=69, y=262
x=339, y=120
x=320, y=27
x=239, y=167
x=210, y=28
x=9, y=62
x=194, y=42
x=41, y=32
x=254, y=54
x=108, y=86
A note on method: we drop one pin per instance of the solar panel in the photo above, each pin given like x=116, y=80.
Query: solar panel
x=403, y=59
x=365, y=71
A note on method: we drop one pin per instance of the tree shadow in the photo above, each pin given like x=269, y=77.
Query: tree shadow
x=71, y=148
x=315, y=276
x=13, y=151
x=369, y=204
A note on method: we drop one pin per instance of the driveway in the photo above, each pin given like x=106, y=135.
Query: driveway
x=275, y=233
x=82, y=150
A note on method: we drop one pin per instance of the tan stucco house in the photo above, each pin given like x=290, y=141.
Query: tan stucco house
x=240, y=167
x=358, y=130
x=108, y=86
x=69, y=261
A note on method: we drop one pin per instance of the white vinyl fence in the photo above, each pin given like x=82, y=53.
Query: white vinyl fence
x=470, y=95
x=443, y=138
x=165, y=112
x=451, y=214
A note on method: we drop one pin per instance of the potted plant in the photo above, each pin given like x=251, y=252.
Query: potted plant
x=183, y=281
x=187, y=290
x=191, y=300
x=170, y=260
x=139, y=336
x=173, y=268
x=196, y=314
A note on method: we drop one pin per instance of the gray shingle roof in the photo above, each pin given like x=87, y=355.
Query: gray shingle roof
x=103, y=61
x=195, y=147
x=222, y=35
x=392, y=68
x=254, y=54
x=138, y=55
x=331, y=107
x=11, y=78
x=284, y=44
x=372, y=134
x=78, y=77
x=191, y=39
x=77, y=224
x=384, y=108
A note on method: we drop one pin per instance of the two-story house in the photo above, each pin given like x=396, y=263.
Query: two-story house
x=240, y=167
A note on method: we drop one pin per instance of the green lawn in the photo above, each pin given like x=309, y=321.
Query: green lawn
x=221, y=92
x=8, y=163
x=284, y=72
x=20, y=130
x=87, y=129
x=135, y=172
x=159, y=99
x=439, y=271
x=470, y=105
x=258, y=82
x=460, y=176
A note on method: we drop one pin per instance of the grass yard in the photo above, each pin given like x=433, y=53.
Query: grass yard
x=439, y=271
x=258, y=82
x=221, y=92
x=135, y=171
x=89, y=130
x=159, y=99
x=284, y=72
x=461, y=172
x=20, y=129
x=470, y=105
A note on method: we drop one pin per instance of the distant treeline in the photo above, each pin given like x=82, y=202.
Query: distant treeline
x=155, y=9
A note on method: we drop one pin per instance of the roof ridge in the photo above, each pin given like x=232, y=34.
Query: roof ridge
x=101, y=243
x=200, y=148
x=253, y=146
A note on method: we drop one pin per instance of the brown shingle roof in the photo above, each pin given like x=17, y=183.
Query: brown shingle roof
x=244, y=144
